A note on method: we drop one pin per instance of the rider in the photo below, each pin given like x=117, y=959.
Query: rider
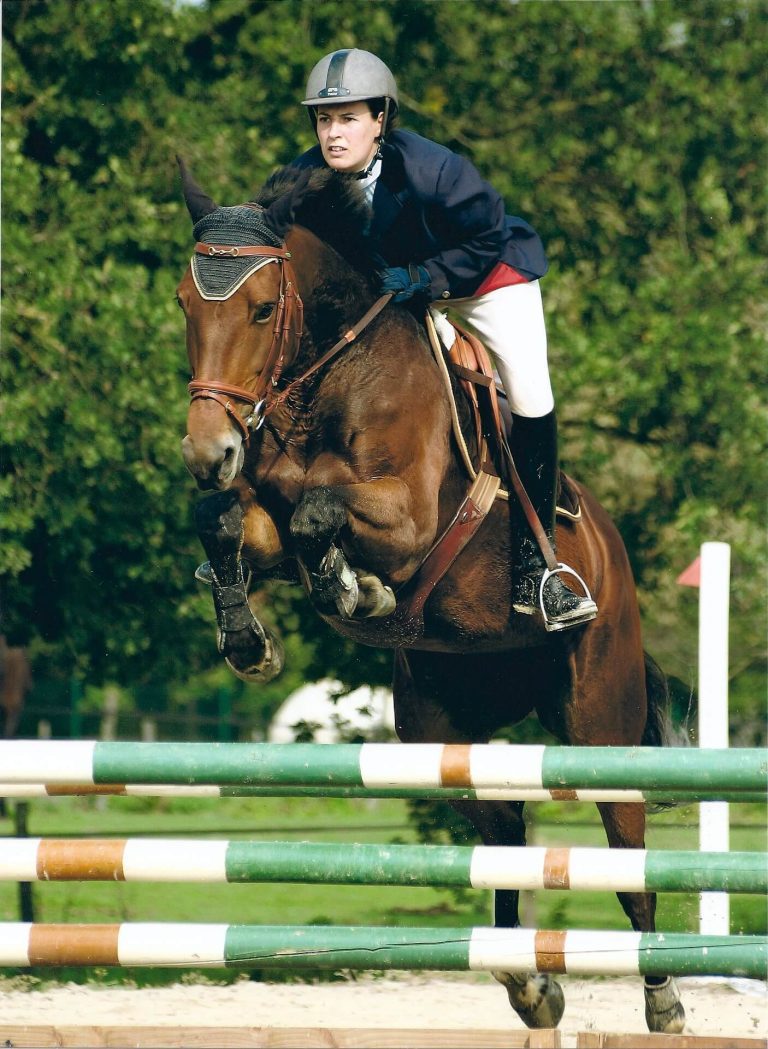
x=444, y=237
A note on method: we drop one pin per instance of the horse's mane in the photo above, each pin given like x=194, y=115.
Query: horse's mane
x=329, y=204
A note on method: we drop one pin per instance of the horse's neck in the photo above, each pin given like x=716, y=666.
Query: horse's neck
x=335, y=295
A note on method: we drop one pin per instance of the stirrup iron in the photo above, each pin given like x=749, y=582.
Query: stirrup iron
x=585, y=614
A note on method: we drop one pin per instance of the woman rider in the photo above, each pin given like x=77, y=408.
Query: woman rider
x=444, y=236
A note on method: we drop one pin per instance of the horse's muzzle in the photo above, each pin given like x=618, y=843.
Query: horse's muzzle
x=214, y=462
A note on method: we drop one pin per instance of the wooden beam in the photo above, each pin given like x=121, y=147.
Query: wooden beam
x=601, y=1040
x=33, y=1036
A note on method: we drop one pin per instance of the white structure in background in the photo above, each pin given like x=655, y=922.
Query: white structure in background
x=368, y=711
x=714, y=601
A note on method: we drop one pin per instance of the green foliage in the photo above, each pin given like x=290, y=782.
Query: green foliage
x=632, y=134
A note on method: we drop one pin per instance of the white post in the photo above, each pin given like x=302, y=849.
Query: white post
x=714, y=599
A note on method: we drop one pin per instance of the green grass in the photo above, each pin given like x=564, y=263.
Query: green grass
x=342, y=820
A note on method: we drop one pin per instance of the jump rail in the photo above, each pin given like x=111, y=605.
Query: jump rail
x=385, y=765
x=478, y=867
x=288, y=790
x=352, y=947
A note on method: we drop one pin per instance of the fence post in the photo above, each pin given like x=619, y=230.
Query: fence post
x=225, y=714
x=21, y=829
x=75, y=721
x=714, y=908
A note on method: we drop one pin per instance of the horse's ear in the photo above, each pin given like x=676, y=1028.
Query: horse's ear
x=281, y=213
x=198, y=203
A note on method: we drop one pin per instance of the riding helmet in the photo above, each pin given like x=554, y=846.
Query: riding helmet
x=350, y=76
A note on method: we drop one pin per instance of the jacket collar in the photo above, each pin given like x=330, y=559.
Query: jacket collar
x=391, y=191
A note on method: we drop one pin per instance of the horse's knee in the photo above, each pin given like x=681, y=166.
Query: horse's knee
x=219, y=518
x=317, y=520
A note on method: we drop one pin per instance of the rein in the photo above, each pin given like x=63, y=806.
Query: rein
x=286, y=336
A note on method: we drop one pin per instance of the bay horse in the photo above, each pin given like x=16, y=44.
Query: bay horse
x=339, y=470
x=15, y=682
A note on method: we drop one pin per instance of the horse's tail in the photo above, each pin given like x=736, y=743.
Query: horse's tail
x=659, y=730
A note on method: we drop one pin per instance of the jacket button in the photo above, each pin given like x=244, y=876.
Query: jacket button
x=446, y=295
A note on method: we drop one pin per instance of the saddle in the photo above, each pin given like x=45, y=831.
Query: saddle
x=467, y=359
x=463, y=355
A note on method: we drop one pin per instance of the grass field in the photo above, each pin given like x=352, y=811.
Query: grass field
x=341, y=820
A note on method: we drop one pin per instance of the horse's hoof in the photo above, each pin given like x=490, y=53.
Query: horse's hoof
x=536, y=997
x=375, y=599
x=264, y=670
x=664, y=1011
x=335, y=589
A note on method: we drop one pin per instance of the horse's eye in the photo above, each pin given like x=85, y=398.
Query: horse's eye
x=179, y=303
x=264, y=312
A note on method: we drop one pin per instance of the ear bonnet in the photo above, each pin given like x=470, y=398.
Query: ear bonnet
x=217, y=277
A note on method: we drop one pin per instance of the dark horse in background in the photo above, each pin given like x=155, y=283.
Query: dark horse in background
x=15, y=683
x=343, y=478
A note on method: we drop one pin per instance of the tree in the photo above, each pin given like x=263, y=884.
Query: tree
x=631, y=134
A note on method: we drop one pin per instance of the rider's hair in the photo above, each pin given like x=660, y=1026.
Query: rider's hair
x=378, y=105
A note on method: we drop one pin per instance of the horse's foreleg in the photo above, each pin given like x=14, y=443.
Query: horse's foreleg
x=372, y=518
x=625, y=828
x=251, y=651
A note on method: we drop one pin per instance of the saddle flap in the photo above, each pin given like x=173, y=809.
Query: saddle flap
x=470, y=362
x=468, y=359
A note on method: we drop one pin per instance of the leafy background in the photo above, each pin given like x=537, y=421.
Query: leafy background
x=633, y=135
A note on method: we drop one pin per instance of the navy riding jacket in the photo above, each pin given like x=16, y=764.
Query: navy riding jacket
x=431, y=207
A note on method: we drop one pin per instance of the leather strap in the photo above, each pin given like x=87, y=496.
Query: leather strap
x=348, y=337
x=238, y=250
x=468, y=518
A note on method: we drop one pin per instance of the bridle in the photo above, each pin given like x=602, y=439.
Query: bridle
x=286, y=338
x=287, y=331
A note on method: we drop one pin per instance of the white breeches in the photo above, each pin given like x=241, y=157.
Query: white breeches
x=510, y=321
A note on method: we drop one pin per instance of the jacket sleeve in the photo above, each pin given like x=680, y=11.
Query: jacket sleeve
x=467, y=218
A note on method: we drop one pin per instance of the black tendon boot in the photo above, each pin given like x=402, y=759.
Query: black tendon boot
x=533, y=443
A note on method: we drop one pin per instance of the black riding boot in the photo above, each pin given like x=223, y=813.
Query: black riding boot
x=533, y=443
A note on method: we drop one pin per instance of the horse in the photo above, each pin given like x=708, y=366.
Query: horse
x=325, y=439
x=15, y=682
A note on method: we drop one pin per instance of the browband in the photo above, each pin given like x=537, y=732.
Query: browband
x=238, y=250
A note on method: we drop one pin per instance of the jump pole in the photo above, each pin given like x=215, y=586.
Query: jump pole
x=160, y=790
x=471, y=867
x=576, y=951
x=477, y=766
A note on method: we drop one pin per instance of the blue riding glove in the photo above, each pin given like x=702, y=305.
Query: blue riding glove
x=405, y=283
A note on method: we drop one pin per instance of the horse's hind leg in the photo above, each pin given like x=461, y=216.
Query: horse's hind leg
x=423, y=687
x=251, y=651
x=625, y=828
x=537, y=998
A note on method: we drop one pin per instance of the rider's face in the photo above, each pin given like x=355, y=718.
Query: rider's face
x=348, y=135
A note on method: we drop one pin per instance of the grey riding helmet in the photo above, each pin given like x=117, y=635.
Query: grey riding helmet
x=351, y=76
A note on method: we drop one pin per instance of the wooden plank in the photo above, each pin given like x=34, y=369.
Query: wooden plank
x=32, y=1036
x=602, y=1040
